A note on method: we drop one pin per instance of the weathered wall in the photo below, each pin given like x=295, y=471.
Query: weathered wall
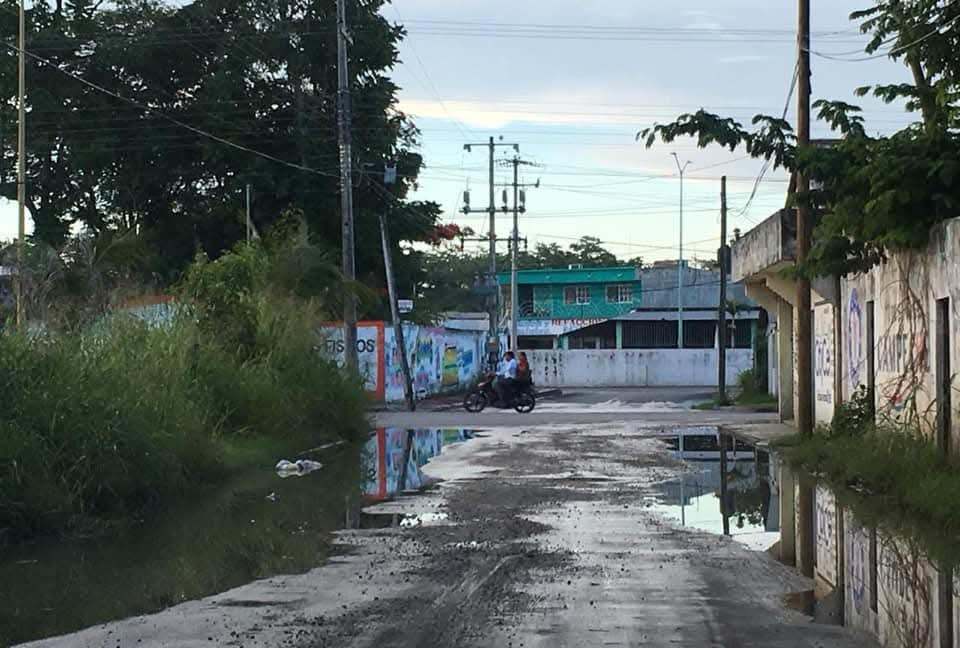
x=440, y=360
x=640, y=368
x=826, y=534
x=823, y=363
x=903, y=294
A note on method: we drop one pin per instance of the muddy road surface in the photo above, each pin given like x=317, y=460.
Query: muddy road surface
x=546, y=535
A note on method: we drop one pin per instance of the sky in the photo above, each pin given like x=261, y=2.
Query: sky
x=573, y=81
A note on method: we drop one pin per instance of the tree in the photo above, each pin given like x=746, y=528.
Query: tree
x=259, y=76
x=875, y=194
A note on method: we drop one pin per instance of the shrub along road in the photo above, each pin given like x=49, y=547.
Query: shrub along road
x=536, y=536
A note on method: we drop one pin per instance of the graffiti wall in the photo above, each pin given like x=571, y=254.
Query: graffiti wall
x=858, y=612
x=370, y=342
x=907, y=596
x=824, y=363
x=440, y=360
x=825, y=528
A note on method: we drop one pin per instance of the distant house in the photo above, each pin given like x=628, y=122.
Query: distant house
x=553, y=302
x=624, y=308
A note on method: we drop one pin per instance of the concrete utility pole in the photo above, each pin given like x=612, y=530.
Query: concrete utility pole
x=722, y=312
x=346, y=193
x=805, y=539
x=519, y=207
x=21, y=160
x=680, y=272
x=493, y=344
x=395, y=313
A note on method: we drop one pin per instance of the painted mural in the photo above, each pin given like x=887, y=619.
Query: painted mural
x=440, y=360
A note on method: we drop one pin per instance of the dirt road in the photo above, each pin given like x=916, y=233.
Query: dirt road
x=535, y=536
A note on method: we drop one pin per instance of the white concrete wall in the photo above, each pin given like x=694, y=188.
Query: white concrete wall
x=824, y=363
x=635, y=368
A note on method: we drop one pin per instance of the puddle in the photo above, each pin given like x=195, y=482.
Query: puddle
x=258, y=525
x=733, y=495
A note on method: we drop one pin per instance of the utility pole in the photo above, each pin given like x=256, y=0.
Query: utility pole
x=680, y=272
x=21, y=160
x=519, y=207
x=388, y=178
x=346, y=193
x=493, y=344
x=805, y=540
x=722, y=312
x=515, y=240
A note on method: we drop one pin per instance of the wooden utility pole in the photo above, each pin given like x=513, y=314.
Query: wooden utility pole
x=805, y=499
x=722, y=310
x=346, y=193
x=21, y=160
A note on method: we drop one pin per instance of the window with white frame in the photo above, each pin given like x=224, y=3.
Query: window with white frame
x=620, y=294
x=577, y=295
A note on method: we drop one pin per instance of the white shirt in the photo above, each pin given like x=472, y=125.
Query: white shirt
x=508, y=369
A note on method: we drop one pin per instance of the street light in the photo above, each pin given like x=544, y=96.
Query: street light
x=681, y=169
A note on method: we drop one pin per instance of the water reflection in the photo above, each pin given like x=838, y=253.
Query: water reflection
x=732, y=492
x=395, y=458
x=255, y=526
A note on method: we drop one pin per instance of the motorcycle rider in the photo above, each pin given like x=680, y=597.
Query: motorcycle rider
x=506, y=377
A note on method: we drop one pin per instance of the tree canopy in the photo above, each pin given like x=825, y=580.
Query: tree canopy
x=152, y=118
x=873, y=194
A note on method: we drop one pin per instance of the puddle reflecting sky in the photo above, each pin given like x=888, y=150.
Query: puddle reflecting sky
x=696, y=498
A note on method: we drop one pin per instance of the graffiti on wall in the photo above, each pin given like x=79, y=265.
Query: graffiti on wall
x=823, y=368
x=826, y=534
x=858, y=566
x=905, y=357
x=440, y=360
x=855, y=340
x=906, y=588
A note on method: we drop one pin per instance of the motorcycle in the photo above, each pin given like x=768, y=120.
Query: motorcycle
x=484, y=395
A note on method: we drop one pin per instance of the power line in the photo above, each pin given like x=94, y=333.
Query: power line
x=766, y=165
x=892, y=52
x=153, y=111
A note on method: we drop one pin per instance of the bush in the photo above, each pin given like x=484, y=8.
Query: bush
x=97, y=425
x=111, y=422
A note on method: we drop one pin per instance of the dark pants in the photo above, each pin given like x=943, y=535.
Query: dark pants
x=506, y=388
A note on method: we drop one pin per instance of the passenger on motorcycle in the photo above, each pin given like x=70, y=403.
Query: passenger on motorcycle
x=507, y=377
x=523, y=369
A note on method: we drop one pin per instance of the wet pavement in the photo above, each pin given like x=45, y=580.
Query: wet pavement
x=527, y=534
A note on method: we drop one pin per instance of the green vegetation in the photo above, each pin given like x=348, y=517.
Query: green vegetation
x=876, y=194
x=748, y=393
x=109, y=419
x=891, y=478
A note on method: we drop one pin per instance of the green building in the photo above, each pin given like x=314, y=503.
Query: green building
x=624, y=308
x=553, y=302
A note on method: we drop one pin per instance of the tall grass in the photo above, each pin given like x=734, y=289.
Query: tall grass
x=114, y=420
